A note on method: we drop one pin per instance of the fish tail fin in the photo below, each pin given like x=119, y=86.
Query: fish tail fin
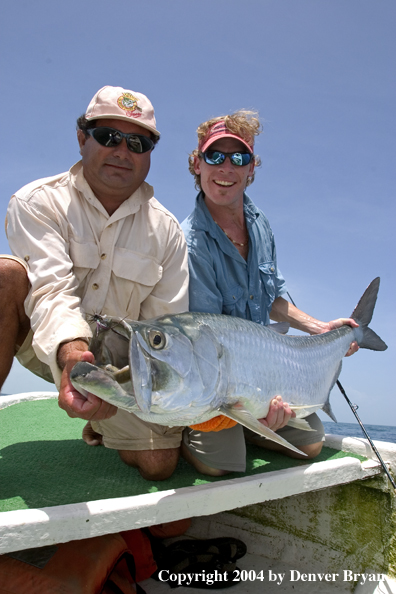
x=362, y=314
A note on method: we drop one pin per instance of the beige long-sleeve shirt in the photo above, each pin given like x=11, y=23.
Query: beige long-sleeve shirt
x=82, y=261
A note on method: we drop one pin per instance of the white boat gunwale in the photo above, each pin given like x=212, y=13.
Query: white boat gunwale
x=29, y=528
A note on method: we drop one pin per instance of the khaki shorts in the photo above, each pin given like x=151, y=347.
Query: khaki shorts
x=226, y=450
x=25, y=353
x=125, y=431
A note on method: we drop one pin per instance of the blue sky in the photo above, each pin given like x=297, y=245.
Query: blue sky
x=322, y=75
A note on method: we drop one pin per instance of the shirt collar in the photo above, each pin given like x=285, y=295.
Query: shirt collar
x=203, y=220
x=250, y=209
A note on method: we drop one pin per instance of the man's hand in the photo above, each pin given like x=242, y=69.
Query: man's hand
x=334, y=324
x=279, y=414
x=283, y=311
x=87, y=406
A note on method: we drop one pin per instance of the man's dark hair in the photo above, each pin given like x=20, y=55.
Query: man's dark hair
x=84, y=125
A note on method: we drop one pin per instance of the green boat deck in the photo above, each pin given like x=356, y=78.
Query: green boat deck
x=55, y=488
x=44, y=462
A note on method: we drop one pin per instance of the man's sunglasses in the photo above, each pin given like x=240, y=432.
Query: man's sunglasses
x=137, y=143
x=217, y=158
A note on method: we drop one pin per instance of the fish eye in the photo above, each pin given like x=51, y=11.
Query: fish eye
x=156, y=339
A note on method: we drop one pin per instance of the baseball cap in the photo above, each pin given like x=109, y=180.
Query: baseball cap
x=122, y=104
x=220, y=130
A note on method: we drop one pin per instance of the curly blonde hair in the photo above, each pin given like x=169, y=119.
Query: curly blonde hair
x=243, y=123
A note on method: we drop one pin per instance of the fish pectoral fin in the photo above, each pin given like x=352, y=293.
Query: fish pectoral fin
x=244, y=417
x=300, y=424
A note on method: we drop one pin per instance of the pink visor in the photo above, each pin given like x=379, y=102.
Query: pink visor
x=220, y=130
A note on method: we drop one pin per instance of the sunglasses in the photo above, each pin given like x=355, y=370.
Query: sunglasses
x=137, y=143
x=217, y=158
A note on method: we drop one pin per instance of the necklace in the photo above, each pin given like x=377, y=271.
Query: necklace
x=230, y=238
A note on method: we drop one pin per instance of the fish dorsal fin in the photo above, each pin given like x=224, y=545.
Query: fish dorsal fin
x=279, y=327
x=239, y=414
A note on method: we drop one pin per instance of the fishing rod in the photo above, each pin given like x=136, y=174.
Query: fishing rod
x=354, y=408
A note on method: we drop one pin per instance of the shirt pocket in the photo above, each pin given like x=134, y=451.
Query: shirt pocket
x=85, y=257
x=137, y=268
x=267, y=277
x=139, y=273
x=232, y=300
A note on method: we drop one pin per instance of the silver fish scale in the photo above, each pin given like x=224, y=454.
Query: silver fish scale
x=301, y=369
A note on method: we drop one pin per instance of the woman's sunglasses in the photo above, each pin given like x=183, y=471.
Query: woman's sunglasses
x=217, y=158
x=137, y=143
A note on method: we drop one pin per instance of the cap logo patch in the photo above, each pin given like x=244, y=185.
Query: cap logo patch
x=128, y=103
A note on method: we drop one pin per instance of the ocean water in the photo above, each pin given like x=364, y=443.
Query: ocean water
x=376, y=432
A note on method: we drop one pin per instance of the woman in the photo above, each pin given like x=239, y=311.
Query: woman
x=234, y=271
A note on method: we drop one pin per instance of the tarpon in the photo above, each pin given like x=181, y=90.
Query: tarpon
x=187, y=368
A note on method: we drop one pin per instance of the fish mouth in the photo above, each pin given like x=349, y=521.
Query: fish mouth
x=140, y=371
x=81, y=370
x=84, y=377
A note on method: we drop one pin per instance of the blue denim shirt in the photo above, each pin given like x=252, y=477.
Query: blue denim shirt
x=221, y=281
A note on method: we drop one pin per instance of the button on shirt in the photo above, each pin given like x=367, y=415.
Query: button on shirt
x=221, y=281
x=83, y=261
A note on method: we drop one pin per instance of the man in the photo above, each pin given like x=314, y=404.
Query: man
x=94, y=240
x=234, y=271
